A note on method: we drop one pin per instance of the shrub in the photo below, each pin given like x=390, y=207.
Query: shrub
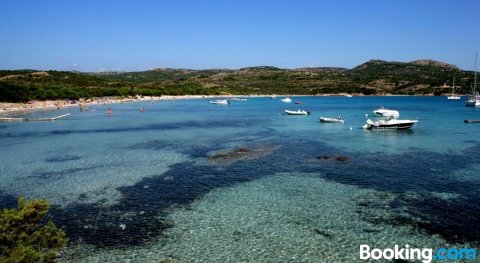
x=23, y=237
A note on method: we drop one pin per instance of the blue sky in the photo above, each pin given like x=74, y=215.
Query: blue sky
x=134, y=35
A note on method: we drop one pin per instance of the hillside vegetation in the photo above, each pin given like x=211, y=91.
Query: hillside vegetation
x=422, y=77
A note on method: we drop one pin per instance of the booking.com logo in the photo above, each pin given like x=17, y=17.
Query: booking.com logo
x=426, y=255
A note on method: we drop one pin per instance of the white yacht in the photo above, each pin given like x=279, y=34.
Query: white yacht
x=390, y=124
x=286, y=100
x=332, y=120
x=297, y=112
x=238, y=99
x=454, y=97
x=473, y=101
x=221, y=102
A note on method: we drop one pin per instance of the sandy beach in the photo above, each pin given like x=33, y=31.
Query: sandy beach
x=9, y=108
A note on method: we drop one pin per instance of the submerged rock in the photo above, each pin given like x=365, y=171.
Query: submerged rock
x=242, y=154
x=338, y=158
x=322, y=232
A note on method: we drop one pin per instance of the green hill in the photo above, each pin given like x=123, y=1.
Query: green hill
x=419, y=77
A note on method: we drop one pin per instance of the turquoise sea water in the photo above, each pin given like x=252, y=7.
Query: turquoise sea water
x=143, y=186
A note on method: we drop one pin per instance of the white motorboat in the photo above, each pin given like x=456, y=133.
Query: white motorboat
x=454, y=97
x=297, y=112
x=222, y=102
x=473, y=101
x=286, y=100
x=238, y=99
x=383, y=112
x=390, y=124
x=332, y=120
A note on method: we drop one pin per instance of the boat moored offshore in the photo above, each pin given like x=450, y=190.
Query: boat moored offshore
x=297, y=112
x=390, y=124
x=221, y=102
x=332, y=120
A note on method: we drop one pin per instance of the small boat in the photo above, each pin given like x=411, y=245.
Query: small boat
x=332, y=120
x=297, y=112
x=454, y=97
x=33, y=119
x=222, y=102
x=286, y=100
x=472, y=121
x=348, y=95
x=473, y=101
x=390, y=124
x=298, y=102
x=238, y=99
x=383, y=112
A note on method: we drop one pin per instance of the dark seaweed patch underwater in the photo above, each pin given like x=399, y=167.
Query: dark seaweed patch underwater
x=140, y=215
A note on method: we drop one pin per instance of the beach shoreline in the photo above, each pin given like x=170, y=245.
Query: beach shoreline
x=12, y=108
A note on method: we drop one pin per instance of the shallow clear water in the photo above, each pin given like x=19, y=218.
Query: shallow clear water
x=141, y=186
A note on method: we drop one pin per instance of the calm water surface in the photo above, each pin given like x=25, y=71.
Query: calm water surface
x=143, y=187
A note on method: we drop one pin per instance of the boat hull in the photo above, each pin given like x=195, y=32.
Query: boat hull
x=331, y=120
x=33, y=119
x=472, y=103
x=453, y=97
x=220, y=102
x=403, y=126
x=300, y=112
x=389, y=124
x=472, y=121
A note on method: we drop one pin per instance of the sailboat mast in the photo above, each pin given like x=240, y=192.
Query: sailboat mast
x=475, y=77
x=453, y=86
